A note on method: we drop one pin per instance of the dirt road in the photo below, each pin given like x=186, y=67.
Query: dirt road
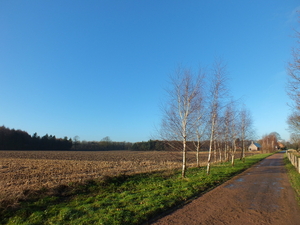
x=260, y=195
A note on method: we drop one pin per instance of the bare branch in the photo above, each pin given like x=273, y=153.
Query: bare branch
x=182, y=111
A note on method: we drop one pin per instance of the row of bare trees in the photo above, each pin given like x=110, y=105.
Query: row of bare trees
x=199, y=108
x=269, y=142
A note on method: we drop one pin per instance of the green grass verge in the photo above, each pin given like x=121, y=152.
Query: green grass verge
x=294, y=177
x=123, y=199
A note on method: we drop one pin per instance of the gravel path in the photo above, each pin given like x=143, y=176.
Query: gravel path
x=260, y=195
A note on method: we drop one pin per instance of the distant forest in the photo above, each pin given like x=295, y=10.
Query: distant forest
x=107, y=145
x=11, y=139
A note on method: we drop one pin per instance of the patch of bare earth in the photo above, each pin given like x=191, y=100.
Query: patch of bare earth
x=32, y=170
x=259, y=196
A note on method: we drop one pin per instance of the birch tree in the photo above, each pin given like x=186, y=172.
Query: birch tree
x=226, y=130
x=245, y=129
x=181, y=111
x=218, y=90
x=233, y=121
x=200, y=130
x=201, y=120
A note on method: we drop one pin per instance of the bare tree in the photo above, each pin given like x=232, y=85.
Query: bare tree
x=294, y=122
x=76, y=141
x=201, y=120
x=226, y=120
x=269, y=142
x=106, y=139
x=295, y=140
x=218, y=142
x=181, y=113
x=276, y=135
x=233, y=127
x=200, y=131
x=218, y=90
x=293, y=86
x=245, y=128
x=105, y=142
x=231, y=122
x=294, y=76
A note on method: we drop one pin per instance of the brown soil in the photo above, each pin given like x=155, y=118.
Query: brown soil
x=21, y=171
x=260, y=195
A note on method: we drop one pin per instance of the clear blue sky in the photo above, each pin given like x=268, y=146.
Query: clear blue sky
x=99, y=68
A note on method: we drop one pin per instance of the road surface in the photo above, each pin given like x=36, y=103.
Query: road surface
x=260, y=195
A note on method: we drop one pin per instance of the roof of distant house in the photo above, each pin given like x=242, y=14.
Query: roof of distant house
x=257, y=145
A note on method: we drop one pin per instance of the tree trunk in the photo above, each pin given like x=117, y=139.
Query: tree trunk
x=209, y=152
x=183, y=158
x=232, y=159
x=197, y=153
x=233, y=154
x=243, y=151
x=215, y=151
x=225, y=151
x=220, y=152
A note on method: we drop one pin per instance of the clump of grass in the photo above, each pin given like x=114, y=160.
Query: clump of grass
x=123, y=199
x=294, y=177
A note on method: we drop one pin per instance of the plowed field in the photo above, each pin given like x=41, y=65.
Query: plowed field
x=31, y=170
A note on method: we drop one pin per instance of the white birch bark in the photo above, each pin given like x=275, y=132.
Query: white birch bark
x=217, y=91
x=181, y=113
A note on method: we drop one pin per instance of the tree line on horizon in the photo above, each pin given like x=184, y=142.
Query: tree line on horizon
x=11, y=139
x=16, y=139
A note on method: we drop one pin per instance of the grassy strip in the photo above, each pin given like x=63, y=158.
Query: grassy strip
x=123, y=199
x=294, y=177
